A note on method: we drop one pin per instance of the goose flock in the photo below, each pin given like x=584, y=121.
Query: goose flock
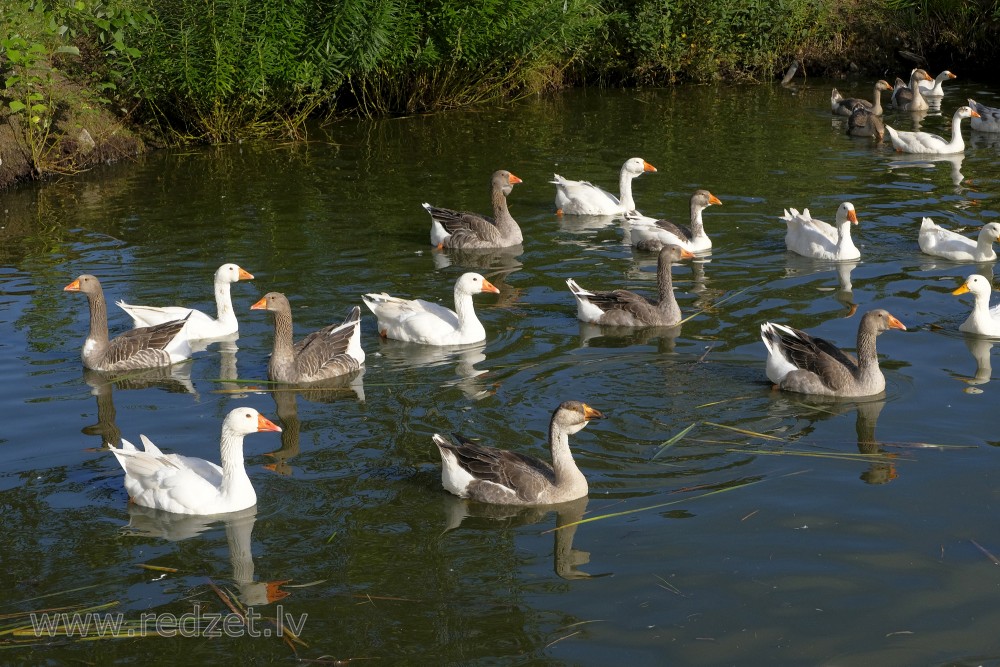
x=796, y=361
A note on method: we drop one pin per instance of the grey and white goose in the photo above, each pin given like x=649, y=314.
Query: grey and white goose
x=649, y=234
x=806, y=364
x=332, y=351
x=145, y=347
x=464, y=229
x=503, y=477
x=627, y=309
x=909, y=98
x=844, y=106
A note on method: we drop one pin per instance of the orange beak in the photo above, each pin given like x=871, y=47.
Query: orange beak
x=961, y=290
x=852, y=216
x=712, y=199
x=647, y=167
x=73, y=286
x=260, y=305
x=514, y=179
x=489, y=287
x=686, y=254
x=896, y=324
x=975, y=114
x=245, y=275
x=952, y=76
x=274, y=592
x=265, y=424
x=591, y=413
x=928, y=77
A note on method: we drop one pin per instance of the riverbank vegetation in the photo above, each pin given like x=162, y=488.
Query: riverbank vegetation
x=224, y=70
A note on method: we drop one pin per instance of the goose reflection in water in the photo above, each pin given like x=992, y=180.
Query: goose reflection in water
x=465, y=357
x=344, y=387
x=980, y=349
x=905, y=161
x=174, y=379
x=797, y=265
x=882, y=469
x=148, y=522
x=566, y=561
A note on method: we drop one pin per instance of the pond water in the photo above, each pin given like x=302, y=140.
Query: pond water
x=777, y=530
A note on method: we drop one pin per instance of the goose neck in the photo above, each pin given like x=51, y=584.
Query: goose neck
x=625, y=190
x=282, y=350
x=464, y=308
x=563, y=465
x=224, y=303
x=665, y=283
x=235, y=481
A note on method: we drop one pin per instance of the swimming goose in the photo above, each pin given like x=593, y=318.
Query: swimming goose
x=146, y=347
x=940, y=242
x=199, y=325
x=801, y=363
x=584, y=198
x=988, y=119
x=909, y=98
x=503, y=477
x=419, y=321
x=984, y=320
x=188, y=485
x=843, y=106
x=814, y=238
x=646, y=231
x=330, y=352
x=933, y=88
x=462, y=229
x=925, y=142
x=864, y=123
x=627, y=309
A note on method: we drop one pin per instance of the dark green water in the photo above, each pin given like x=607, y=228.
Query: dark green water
x=846, y=536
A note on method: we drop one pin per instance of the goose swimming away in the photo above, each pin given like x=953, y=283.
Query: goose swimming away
x=188, y=485
x=504, y=477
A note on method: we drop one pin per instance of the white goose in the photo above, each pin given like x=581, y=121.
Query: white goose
x=419, y=321
x=650, y=234
x=940, y=242
x=925, y=142
x=584, y=198
x=188, y=485
x=934, y=88
x=984, y=321
x=809, y=237
x=988, y=119
x=503, y=477
x=199, y=325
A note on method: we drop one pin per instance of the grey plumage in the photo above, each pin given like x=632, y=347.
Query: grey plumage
x=465, y=229
x=145, y=347
x=330, y=352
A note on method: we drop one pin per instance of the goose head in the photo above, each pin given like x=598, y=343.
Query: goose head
x=880, y=320
x=977, y=284
x=846, y=213
x=637, y=166
x=966, y=112
x=674, y=253
x=702, y=199
x=882, y=84
x=991, y=231
x=276, y=302
x=473, y=283
x=919, y=75
x=231, y=273
x=86, y=284
x=504, y=181
x=573, y=416
x=243, y=421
